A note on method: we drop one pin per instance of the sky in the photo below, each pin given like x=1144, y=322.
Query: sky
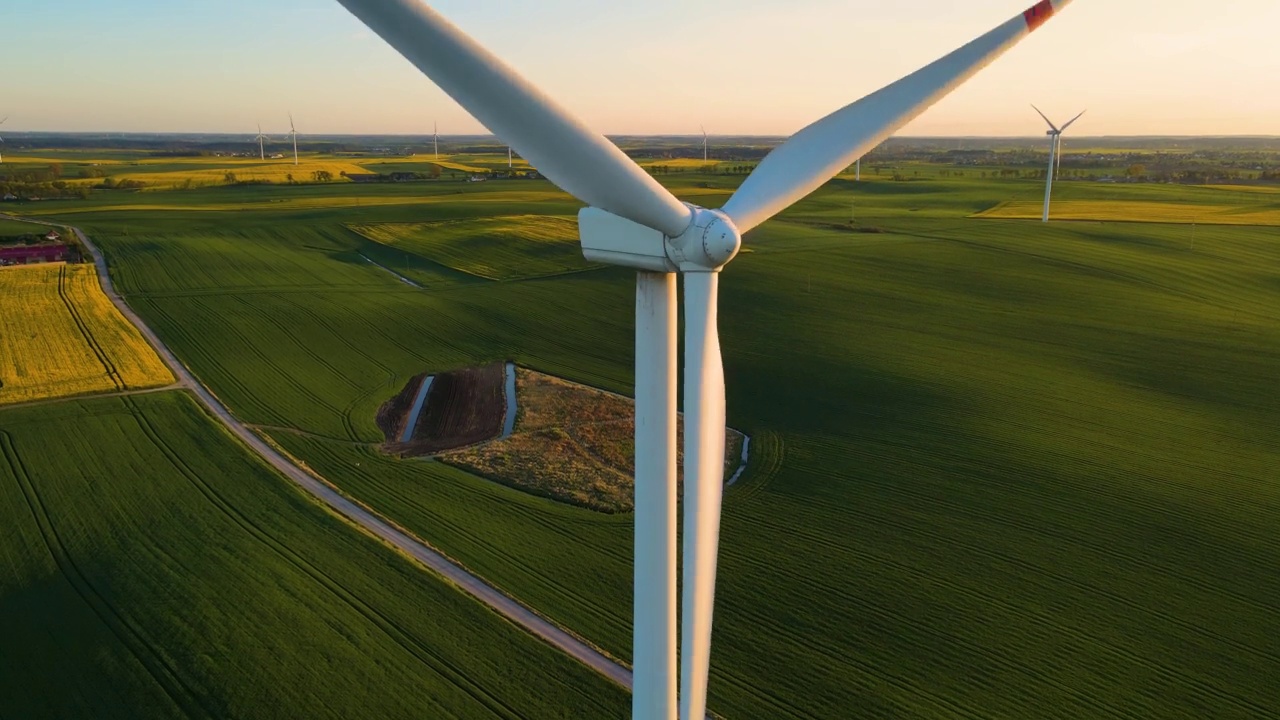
x=759, y=67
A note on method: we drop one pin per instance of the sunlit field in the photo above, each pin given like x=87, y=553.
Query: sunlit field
x=1140, y=211
x=999, y=468
x=61, y=336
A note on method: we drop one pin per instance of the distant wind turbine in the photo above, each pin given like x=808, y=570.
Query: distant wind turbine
x=262, y=153
x=704, y=143
x=6, y=117
x=1055, y=158
x=293, y=135
x=435, y=138
x=509, y=163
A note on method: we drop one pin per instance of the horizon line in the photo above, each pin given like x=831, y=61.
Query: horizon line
x=177, y=133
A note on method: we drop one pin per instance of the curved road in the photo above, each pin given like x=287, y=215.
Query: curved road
x=373, y=524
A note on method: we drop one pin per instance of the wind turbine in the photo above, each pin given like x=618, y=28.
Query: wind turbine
x=1055, y=157
x=632, y=221
x=435, y=138
x=293, y=135
x=6, y=117
x=260, y=137
x=704, y=143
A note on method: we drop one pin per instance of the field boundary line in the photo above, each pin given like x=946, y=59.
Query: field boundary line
x=347, y=508
x=92, y=394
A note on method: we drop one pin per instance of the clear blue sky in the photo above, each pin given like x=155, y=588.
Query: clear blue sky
x=639, y=66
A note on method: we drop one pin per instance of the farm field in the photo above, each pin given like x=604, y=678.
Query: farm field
x=13, y=227
x=185, y=173
x=492, y=248
x=998, y=469
x=1149, y=212
x=150, y=568
x=254, y=170
x=61, y=336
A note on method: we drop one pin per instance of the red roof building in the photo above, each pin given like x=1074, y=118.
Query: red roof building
x=27, y=254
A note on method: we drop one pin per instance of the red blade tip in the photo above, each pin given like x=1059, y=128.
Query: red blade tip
x=1039, y=14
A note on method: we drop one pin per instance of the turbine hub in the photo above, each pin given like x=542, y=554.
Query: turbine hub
x=709, y=243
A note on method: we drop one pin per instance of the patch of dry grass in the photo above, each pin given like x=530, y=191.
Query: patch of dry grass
x=571, y=443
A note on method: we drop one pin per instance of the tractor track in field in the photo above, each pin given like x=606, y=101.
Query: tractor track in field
x=98, y=351
x=373, y=524
x=157, y=665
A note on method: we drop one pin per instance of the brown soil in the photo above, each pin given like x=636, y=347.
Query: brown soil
x=463, y=407
x=391, y=416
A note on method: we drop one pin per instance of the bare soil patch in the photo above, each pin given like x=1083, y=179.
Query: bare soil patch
x=463, y=407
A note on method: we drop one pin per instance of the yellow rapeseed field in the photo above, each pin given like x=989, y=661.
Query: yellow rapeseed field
x=273, y=171
x=60, y=336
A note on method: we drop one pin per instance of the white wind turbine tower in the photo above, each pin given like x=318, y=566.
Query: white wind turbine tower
x=704, y=143
x=1055, y=156
x=632, y=221
x=293, y=135
x=6, y=117
x=262, y=153
x=435, y=139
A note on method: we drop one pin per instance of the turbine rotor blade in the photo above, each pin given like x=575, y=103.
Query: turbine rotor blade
x=1069, y=124
x=578, y=160
x=1046, y=119
x=820, y=151
x=704, y=428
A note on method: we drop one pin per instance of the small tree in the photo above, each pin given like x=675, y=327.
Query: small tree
x=322, y=176
x=289, y=178
x=230, y=177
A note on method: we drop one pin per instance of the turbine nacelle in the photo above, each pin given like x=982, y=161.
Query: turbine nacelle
x=709, y=242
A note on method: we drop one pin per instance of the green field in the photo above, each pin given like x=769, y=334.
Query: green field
x=150, y=568
x=1149, y=212
x=999, y=469
x=492, y=248
x=10, y=228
